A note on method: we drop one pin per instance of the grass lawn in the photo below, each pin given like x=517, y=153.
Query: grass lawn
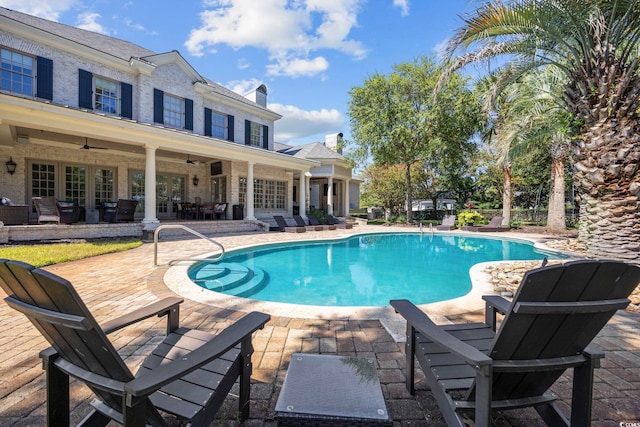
x=40, y=255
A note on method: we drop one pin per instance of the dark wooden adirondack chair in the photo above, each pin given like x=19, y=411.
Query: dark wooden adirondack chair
x=188, y=375
x=548, y=327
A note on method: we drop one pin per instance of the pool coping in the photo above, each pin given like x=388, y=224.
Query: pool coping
x=176, y=279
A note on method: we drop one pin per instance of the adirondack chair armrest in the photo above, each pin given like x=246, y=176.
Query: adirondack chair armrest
x=221, y=343
x=166, y=306
x=495, y=304
x=421, y=322
x=595, y=353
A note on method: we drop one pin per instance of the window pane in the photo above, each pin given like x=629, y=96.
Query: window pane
x=75, y=184
x=104, y=183
x=219, y=125
x=173, y=111
x=17, y=72
x=106, y=96
x=256, y=134
x=43, y=178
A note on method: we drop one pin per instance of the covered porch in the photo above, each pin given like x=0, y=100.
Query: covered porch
x=90, y=159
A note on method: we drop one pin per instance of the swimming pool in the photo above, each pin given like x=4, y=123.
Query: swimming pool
x=363, y=270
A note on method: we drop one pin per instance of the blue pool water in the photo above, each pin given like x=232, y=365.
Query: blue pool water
x=365, y=270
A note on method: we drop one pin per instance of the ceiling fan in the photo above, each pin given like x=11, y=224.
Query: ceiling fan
x=191, y=162
x=86, y=146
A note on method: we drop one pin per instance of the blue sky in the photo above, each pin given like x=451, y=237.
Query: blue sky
x=309, y=53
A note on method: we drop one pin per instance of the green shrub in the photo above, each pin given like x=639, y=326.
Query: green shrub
x=469, y=218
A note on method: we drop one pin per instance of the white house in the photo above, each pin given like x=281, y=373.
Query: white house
x=88, y=118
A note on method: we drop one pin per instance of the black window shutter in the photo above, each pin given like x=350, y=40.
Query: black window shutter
x=126, y=100
x=44, y=85
x=207, y=121
x=265, y=137
x=230, y=128
x=188, y=114
x=158, y=106
x=247, y=132
x=85, y=89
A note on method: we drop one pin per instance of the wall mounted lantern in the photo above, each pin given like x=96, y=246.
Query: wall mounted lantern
x=11, y=166
x=196, y=180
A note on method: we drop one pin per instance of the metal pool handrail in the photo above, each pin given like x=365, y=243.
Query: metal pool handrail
x=190, y=230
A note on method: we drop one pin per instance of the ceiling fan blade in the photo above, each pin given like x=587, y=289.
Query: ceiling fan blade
x=87, y=147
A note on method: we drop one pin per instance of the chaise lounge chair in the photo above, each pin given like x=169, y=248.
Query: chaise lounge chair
x=188, y=374
x=339, y=224
x=300, y=223
x=448, y=223
x=314, y=221
x=547, y=328
x=494, y=225
x=283, y=226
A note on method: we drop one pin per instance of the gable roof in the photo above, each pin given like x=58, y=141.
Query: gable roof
x=115, y=47
x=119, y=49
x=312, y=151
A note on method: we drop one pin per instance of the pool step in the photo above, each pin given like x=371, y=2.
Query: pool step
x=232, y=279
x=253, y=285
x=211, y=272
x=235, y=275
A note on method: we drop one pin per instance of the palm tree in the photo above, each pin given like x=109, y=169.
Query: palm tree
x=594, y=44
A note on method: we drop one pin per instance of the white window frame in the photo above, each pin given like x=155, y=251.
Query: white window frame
x=21, y=73
x=173, y=111
x=267, y=193
x=255, y=135
x=99, y=84
x=219, y=125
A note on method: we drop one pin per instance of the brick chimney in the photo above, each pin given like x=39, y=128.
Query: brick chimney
x=258, y=95
x=334, y=141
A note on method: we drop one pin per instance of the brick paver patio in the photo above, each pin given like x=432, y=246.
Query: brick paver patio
x=115, y=283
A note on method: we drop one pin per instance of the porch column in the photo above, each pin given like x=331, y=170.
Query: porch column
x=302, y=194
x=346, y=197
x=330, y=196
x=150, y=221
x=249, y=215
x=307, y=186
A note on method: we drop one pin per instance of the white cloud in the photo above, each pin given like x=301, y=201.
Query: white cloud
x=129, y=23
x=297, y=123
x=242, y=87
x=298, y=67
x=288, y=30
x=89, y=21
x=403, y=5
x=46, y=9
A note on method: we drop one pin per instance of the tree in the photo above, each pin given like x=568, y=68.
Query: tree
x=594, y=44
x=528, y=112
x=384, y=186
x=395, y=119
